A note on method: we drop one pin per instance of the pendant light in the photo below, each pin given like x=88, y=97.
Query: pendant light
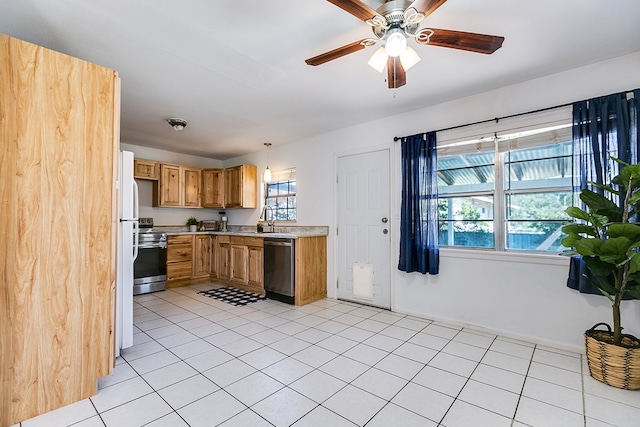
x=267, y=172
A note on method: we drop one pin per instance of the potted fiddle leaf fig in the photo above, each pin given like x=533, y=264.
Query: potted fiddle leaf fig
x=608, y=239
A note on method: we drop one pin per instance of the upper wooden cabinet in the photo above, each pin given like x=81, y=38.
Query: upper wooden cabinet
x=213, y=188
x=146, y=169
x=179, y=186
x=59, y=138
x=192, y=179
x=241, y=187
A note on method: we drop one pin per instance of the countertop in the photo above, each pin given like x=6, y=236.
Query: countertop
x=285, y=232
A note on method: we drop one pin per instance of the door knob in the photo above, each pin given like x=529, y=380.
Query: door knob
x=385, y=220
x=385, y=231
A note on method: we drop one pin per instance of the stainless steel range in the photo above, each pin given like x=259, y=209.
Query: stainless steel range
x=150, y=267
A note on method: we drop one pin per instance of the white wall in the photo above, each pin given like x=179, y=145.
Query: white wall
x=516, y=295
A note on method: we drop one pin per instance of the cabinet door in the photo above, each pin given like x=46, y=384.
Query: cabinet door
x=239, y=263
x=213, y=260
x=170, y=185
x=179, y=257
x=256, y=266
x=232, y=187
x=201, y=256
x=224, y=249
x=146, y=169
x=192, y=179
x=213, y=188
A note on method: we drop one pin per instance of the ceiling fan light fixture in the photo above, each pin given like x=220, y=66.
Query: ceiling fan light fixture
x=409, y=58
x=378, y=60
x=396, y=42
x=177, y=124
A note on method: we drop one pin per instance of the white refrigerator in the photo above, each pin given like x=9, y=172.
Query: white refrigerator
x=127, y=251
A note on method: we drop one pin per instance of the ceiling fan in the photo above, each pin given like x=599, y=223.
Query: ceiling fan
x=393, y=23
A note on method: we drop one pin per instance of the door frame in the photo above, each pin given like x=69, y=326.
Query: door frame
x=393, y=216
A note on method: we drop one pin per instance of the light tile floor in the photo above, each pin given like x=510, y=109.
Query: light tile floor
x=200, y=362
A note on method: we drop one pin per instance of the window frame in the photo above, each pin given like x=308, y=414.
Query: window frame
x=501, y=146
x=278, y=177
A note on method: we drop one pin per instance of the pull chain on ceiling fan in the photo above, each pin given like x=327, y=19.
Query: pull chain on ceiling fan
x=393, y=23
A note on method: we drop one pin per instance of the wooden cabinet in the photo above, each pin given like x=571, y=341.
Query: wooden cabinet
x=239, y=263
x=146, y=169
x=192, y=179
x=256, y=266
x=223, y=257
x=201, y=256
x=213, y=188
x=213, y=259
x=241, y=187
x=168, y=191
x=311, y=269
x=59, y=140
x=179, y=257
x=179, y=186
x=246, y=263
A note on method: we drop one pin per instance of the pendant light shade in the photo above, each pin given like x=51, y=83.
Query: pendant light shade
x=267, y=172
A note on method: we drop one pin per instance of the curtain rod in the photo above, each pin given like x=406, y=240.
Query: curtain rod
x=497, y=119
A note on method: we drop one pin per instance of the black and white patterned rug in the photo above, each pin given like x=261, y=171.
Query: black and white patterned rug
x=233, y=296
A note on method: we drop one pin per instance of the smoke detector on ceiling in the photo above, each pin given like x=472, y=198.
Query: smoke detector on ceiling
x=177, y=123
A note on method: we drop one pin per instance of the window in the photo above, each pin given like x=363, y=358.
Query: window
x=280, y=196
x=507, y=191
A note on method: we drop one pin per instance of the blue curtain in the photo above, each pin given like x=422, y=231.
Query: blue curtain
x=602, y=127
x=419, y=212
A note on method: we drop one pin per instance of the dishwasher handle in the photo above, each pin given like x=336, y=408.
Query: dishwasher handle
x=272, y=243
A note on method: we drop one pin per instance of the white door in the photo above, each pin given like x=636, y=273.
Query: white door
x=364, y=228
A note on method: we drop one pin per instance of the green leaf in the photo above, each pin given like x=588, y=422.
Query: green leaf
x=614, y=249
x=571, y=239
x=605, y=187
x=577, y=213
x=634, y=263
x=597, y=202
x=598, y=267
x=588, y=247
x=633, y=292
x=579, y=228
x=630, y=231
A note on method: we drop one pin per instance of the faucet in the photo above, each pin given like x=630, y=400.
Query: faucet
x=270, y=224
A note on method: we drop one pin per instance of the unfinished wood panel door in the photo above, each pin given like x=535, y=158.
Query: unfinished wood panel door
x=146, y=169
x=213, y=260
x=256, y=266
x=192, y=180
x=239, y=264
x=57, y=186
x=170, y=186
x=213, y=188
x=201, y=255
x=224, y=253
x=241, y=187
x=311, y=269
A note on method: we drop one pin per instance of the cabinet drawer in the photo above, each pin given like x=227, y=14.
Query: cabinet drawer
x=223, y=239
x=179, y=270
x=247, y=241
x=178, y=253
x=182, y=238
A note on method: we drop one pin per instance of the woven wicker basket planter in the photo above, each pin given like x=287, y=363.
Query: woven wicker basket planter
x=617, y=366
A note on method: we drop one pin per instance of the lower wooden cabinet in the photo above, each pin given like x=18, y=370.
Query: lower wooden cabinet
x=239, y=261
x=201, y=256
x=246, y=263
x=179, y=257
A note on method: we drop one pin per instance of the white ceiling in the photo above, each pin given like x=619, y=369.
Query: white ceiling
x=235, y=69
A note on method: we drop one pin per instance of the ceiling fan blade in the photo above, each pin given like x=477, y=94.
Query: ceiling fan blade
x=336, y=53
x=427, y=7
x=356, y=8
x=473, y=42
x=396, y=76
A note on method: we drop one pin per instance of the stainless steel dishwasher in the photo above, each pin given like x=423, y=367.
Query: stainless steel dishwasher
x=279, y=269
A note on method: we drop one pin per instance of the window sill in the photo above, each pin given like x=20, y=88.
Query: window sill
x=519, y=257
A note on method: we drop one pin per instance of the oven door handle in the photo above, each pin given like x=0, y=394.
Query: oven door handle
x=153, y=246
